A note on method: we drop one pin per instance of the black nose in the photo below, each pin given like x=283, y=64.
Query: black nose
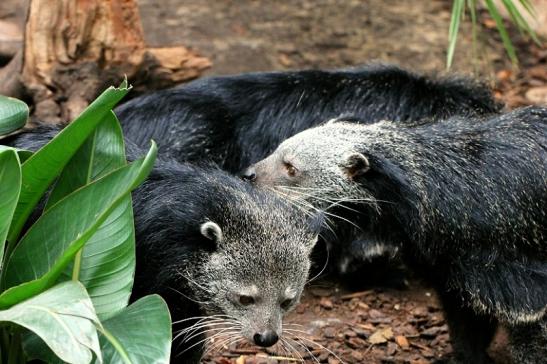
x=266, y=338
x=249, y=174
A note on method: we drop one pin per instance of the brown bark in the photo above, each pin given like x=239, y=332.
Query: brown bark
x=11, y=40
x=10, y=77
x=76, y=48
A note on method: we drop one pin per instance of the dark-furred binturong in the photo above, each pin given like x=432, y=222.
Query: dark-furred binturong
x=464, y=199
x=229, y=259
x=234, y=121
x=237, y=120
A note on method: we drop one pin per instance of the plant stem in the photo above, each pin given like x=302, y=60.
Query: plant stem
x=115, y=343
x=77, y=265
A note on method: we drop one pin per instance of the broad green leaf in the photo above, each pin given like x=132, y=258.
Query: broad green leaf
x=24, y=155
x=457, y=13
x=106, y=264
x=53, y=241
x=10, y=185
x=141, y=333
x=63, y=317
x=45, y=165
x=13, y=114
x=102, y=153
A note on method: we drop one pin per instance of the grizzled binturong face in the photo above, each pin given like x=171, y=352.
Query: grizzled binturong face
x=323, y=167
x=346, y=170
x=255, y=266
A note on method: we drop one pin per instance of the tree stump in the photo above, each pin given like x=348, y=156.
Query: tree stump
x=74, y=49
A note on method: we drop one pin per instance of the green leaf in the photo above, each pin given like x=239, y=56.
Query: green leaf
x=102, y=153
x=457, y=13
x=24, y=155
x=63, y=317
x=493, y=10
x=519, y=20
x=106, y=264
x=13, y=114
x=10, y=185
x=53, y=241
x=141, y=333
x=529, y=7
x=40, y=170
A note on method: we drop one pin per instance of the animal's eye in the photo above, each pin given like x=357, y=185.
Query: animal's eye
x=286, y=304
x=291, y=170
x=246, y=300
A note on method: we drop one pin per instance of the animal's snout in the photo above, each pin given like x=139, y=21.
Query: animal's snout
x=249, y=174
x=265, y=338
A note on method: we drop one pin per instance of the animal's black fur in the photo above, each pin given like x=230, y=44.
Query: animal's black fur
x=265, y=243
x=235, y=121
x=465, y=200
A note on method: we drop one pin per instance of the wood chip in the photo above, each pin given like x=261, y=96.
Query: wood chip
x=356, y=295
x=381, y=336
x=402, y=342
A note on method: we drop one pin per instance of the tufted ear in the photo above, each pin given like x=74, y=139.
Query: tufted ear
x=355, y=165
x=211, y=231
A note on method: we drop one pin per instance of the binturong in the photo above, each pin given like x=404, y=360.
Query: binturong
x=237, y=120
x=234, y=257
x=229, y=259
x=234, y=121
x=464, y=199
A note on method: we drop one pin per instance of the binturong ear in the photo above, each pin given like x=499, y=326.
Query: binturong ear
x=355, y=165
x=211, y=231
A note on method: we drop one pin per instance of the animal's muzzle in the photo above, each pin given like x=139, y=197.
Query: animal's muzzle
x=265, y=338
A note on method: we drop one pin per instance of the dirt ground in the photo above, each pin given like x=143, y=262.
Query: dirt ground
x=380, y=325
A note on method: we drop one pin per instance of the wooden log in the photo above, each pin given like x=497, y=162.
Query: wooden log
x=11, y=40
x=74, y=49
x=10, y=77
